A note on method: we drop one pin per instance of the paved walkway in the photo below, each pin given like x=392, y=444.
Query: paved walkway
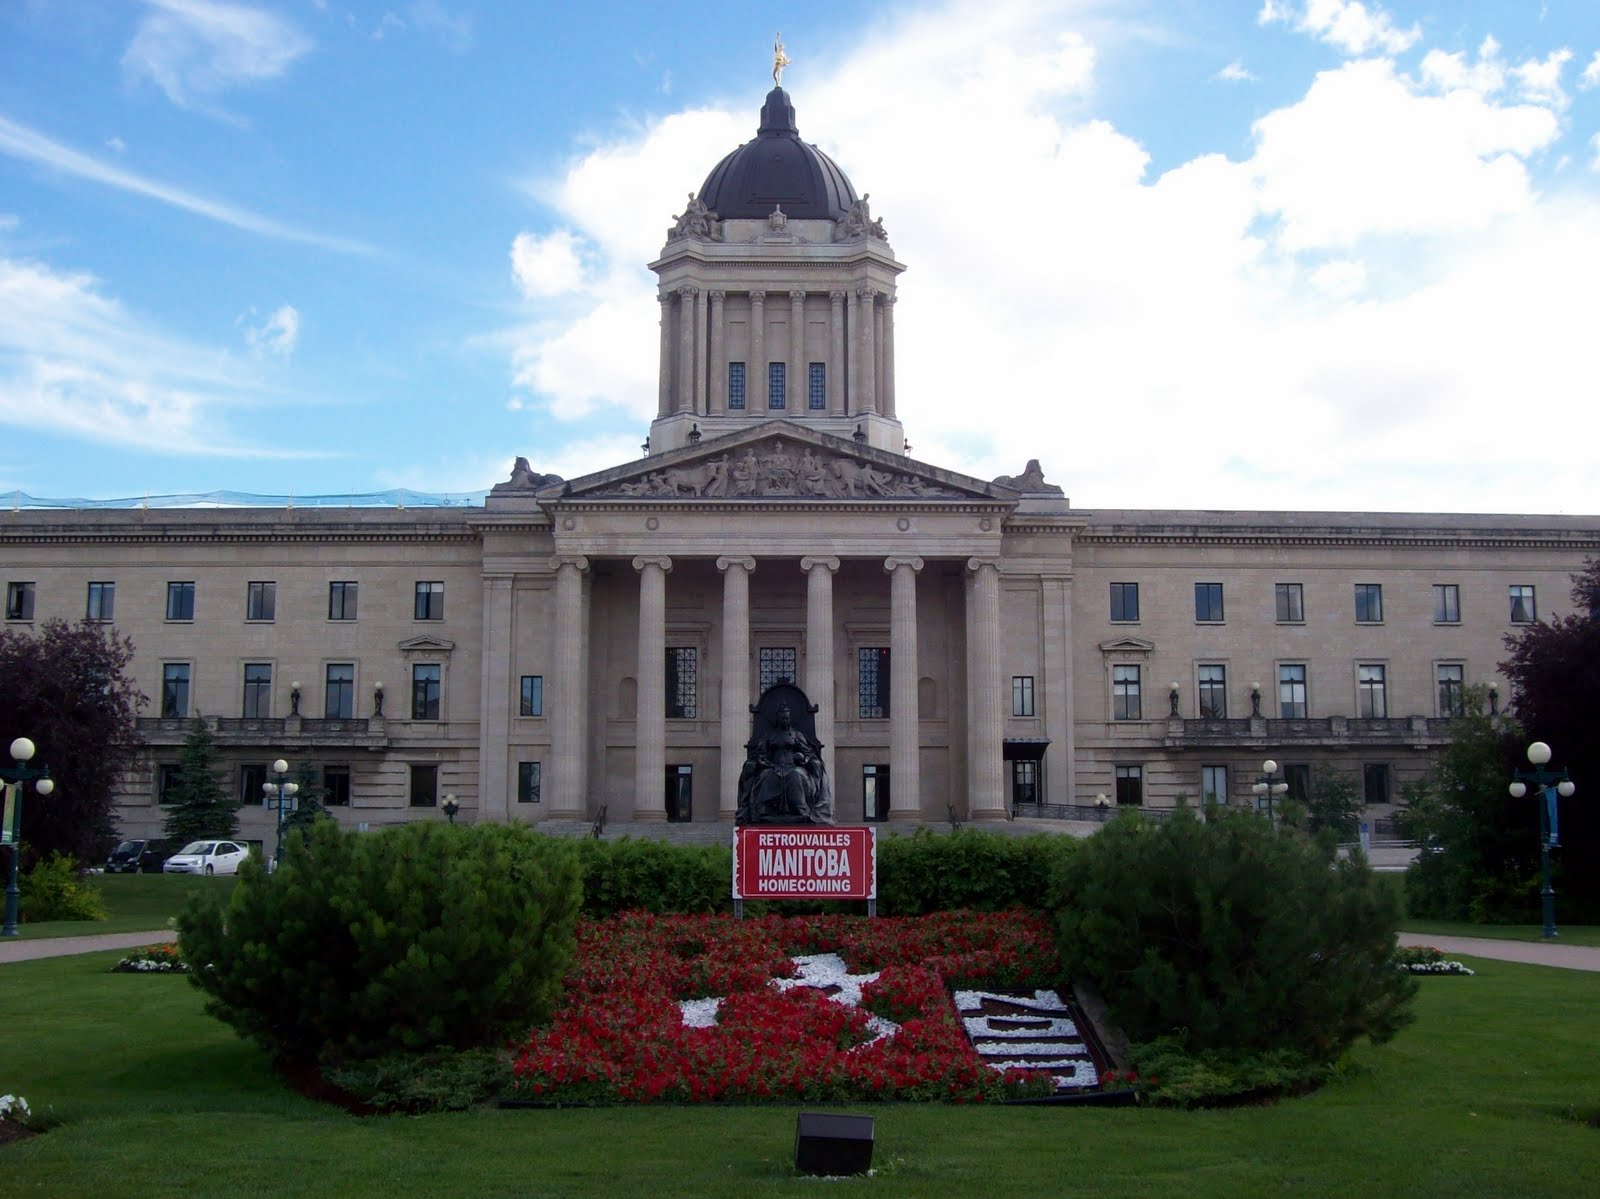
x=14, y=949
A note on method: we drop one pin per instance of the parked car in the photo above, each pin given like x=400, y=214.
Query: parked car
x=138, y=856
x=207, y=857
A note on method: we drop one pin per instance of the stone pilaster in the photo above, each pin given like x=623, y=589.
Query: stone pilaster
x=852, y=364
x=986, y=796
x=1058, y=781
x=880, y=387
x=664, y=400
x=650, y=724
x=717, y=403
x=494, y=700
x=735, y=678
x=866, y=334
x=819, y=652
x=698, y=402
x=836, y=353
x=567, y=699
x=888, y=403
x=905, y=755
x=686, y=354
x=755, y=382
x=795, y=402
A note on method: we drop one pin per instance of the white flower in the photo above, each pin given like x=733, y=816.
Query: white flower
x=13, y=1107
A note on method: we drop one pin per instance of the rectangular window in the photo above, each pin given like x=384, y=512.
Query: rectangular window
x=166, y=780
x=817, y=392
x=1208, y=602
x=252, y=780
x=735, y=386
x=1452, y=682
x=1523, y=608
x=102, y=604
x=777, y=385
x=430, y=601
x=1292, y=691
x=1022, y=695
x=532, y=699
x=1214, y=786
x=1125, y=602
x=875, y=792
x=342, y=601
x=1372, y=700
x=339, y=696
x=1127, y=702
x=257, y=690
x=424, y=785
x=776, y=664
x=1446, y=603
x=1024, y=781
x=872, y=683
x=425, y=684
x=683, y=682
x=1375, y=783
x=336, y=786
x=1298, y=776
x=175, y=690
x=1213, y=693
x=261, y=601
x=1291, y=598
x=527, y=782
x=1130, y=785
x=19, y=601
x=180, y=601
x=1369, y=603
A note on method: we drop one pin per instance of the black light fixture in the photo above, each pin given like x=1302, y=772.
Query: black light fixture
x=644, y=446
x=695, y=435
x=832, y=1145
x=860, y=434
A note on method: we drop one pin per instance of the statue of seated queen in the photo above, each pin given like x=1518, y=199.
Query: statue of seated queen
x=783, y=780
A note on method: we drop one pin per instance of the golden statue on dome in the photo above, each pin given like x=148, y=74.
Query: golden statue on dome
x=779, y=61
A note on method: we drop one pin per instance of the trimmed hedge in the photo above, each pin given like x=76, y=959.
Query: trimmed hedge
x=654, y=876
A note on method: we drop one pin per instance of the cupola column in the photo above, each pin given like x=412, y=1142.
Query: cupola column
x=888, y=405
x=697, y=401
x=836, y=353
x=664, y=401
x=865, y=330
x=717, y=403
x=650, y=723
x=755, y=385
x=686, y=353
x=796, y=401
x=905, y=774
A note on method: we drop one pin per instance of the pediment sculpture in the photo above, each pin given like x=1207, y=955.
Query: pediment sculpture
x=857, y=223
x=784, y=780
x=779, y=468
x=697, y=221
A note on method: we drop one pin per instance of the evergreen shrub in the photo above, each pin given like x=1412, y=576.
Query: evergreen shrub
x=968, y=869
x=54, y=890
x=415, y=938
x=654, y=876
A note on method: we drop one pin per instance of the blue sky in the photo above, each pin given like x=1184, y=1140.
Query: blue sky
x=1281, y=253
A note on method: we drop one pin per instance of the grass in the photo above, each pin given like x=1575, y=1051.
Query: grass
x=137, y=903
x=1570, y=934
x=1486, y=1094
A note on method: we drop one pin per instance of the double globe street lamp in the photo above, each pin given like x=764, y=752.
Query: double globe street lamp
x=285, y=791
x=1270, y=784
x=1550, y=784
x=13, y=777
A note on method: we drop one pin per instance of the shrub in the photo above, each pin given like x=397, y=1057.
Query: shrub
x=1167, y=1074
x=439, y=1081
x=653, y=876
x=936, y=872
x=54, y=890
x=419, y=937
x=1234, y=934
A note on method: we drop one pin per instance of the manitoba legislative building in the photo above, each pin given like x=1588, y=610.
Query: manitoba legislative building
x=977, y=649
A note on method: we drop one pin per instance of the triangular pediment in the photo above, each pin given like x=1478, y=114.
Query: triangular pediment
x=780, y=460
x=1127, y=645
x=428, y=643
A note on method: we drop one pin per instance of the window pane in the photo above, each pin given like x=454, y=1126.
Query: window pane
x=683, y=684
x=1214, y=785
x=1022, y=695
x=735, y=385
x=1375, y=780
x=339, y=700
x=341, y=601
x=1208, y=601
x=180, y=601
x=1130, y=785
x=430, y=601
x=776, y=665
x=1446, y=603
x=252, y=778
x=424, y=785
x=1291, y=603
x=532, y=699
x=19, y=601
x=261, y=601
x=1523, y=609
x=1024, y=781
x=257, y=690
x=1369, y=603
x=1213, y=692
x=1292, y=692
x=818, y=398
x=527, y=782
x=1125, y=601
x=872, y=691
x=777, y=385
x=336, y=785
x=166, y=779
x=425, y=684
x=1372, y=702
x=1452, y=690
x=102, y=601
x=175, y=689
x=1126, y=700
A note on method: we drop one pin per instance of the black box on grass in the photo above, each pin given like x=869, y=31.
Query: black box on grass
x=832, y=1144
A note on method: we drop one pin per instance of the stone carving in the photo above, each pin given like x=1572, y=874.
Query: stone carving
x=778, y=220
x=784, y=780
x=1030, y=480
x=778, y=468
x=524, y=478
x=858, y=223
x=697, y=221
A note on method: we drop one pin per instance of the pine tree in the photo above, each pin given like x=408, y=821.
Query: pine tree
x=201, y=803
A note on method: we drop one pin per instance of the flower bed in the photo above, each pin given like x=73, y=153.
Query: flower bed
x=1425, y=959
x=152, y=959
x=800, y=1009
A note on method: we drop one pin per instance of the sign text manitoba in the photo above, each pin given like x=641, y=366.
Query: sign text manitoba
x=771, y=862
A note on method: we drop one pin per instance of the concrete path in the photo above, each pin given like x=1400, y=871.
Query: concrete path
x=14, y=949
x=1534, y=953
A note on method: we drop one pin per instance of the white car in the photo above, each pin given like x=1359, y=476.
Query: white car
x=207, y=857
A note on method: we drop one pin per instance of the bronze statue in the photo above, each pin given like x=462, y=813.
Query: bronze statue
x=784, y=781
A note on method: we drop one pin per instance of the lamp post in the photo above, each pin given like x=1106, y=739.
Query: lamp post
x=285, y=790
x=451, y=806
x=1269, y=784
x=11, y=816
x=1172, y=695
x=1102, y=805
x=1549, y=784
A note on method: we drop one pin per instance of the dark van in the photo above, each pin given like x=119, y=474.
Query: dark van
x=138, y=856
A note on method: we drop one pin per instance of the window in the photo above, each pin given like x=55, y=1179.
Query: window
x=683, y=682
x=430, y=601
x=180, y=601
x=1214, y=786
x=532, y=702
x=1125, y=602
x=252, y=780
x=1130, y=785
x=1022, y=695
x=875, y=792
x=261, y=601
x=342, y=601
x=257, y=690
x=777, y=384
x=1371, y=698
x=776, y=665
x=1126, y=701
x=1298, y=776
x=19, y=601
x=1291, y=598
x=1451, y=678
x=425, y=681
x=339, y=696
x=735, y=385
x=817, y=392
x=1024, y=781
x=424, y=785
x=336, y=786
x=1523, y=609
x=175, y=690
x=1446, y=603
x=1369, y=603
x=166, y=780
x=1213, y=693
x=1292, y=691
x=527, y=782
x=1208, y=602
x=1375, y=783
x=872, y=684
x=102, y=602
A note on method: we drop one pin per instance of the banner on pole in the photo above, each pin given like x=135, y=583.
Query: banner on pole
x=8, y=818
x=805, y=862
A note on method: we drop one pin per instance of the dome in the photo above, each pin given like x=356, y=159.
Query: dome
x=777, y=169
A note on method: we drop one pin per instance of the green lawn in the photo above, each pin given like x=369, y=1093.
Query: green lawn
x=1573, y=934
x=137, y=903
x=1485, y=1095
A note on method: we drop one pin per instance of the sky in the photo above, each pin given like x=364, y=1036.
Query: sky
x=1266, y=254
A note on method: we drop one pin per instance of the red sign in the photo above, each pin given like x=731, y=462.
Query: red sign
x=805, y=862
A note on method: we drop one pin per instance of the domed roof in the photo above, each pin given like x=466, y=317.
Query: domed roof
x=777, y=169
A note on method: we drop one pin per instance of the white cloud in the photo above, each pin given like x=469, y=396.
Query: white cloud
x=116, y=145
x=194, y=50
x=1534, y=80
x=1346, y=25
x=1591, y=73
x=1234, y=72
x=546, y=266
x=277, y=335
x=1539, y=80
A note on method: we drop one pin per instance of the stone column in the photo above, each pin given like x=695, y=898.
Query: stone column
x=755, y=375
x=836, y=353
x=866, y=331
x=852, y=362
x=697, y=403
x=888, y=354
x=567, y=701
x=717, y=403
x=819, y=652
x=650, y=724
x=494, y=699
x=905, y=754
x=686, y=355
x=664, y=400
x=1058, y=758
x=798, y=386
x=880, y=387
x=986, y=796
x=735, y=678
